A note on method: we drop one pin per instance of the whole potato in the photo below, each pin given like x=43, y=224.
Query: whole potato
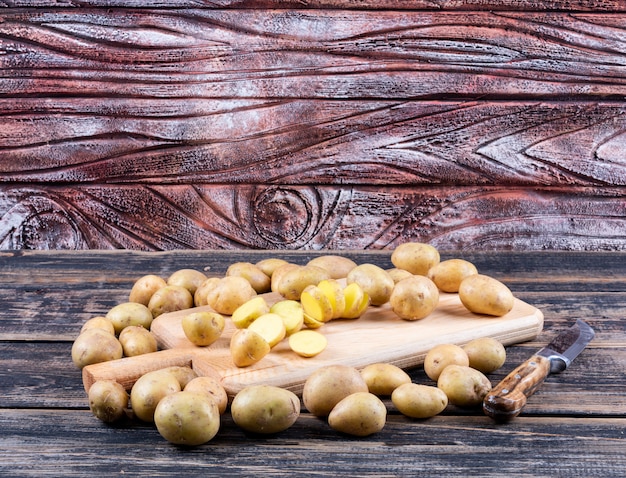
x=229, y=293
x=374, y=280
x=337, y=266
x=485, y=354
x=269, y=265
x=136, y=340
x=414, y=298
x=99, y=323
x=212, y=387
x=359, y=414
x=129, y=313
x=247, y=347
x=258, y=279
x=149, y=390
x=415, y=257
x=190, y=279
x=326, y=386
x=383, y=378
x=144, y=287
x=464, y=386
x=279, y=272
x=265, y=409
x=170, y=299
x=448, y=274
x=294, y=281
x=199, y=298
x=187, y=418
x=183, y=373
x=398, y=274
x=203, y=328
x=482, y=294
x=442, y=355
x=419, y=401
x=108, y=400
x=95, y=346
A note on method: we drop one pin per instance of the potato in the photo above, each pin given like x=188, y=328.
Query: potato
x=337, y=266
x=356, y=301
x=187, y=418
x=108, y=400
x=258, y=279
x=279, y=273
x=398, y=274
x=212, y=387
x=170, y=298
x=136, y=340
x=199, y=298
x=149, y=390
x=447, y=275
x=95, y=346
x=271, y=327
x=203, y=328
x=485, y=354
x=249, y=311
x=265, y=409
x=442, y=355
x=229, y=293
x=291, y=312
x=359, y=414
x=326, y=386
x=247, y=347
x=129, y=313
x=419, y=401
x=414, y=298
x=144, y=288
x=307, y=343
x=316, y=304
x=383, y=378
x=464, y=386
x=333, y=289
x=269, y=265
x=99, y=323
x=482, y=294
x=374, y=280
x=190, y=279
x=182, y=373
x=294, y=281
x=415, y=257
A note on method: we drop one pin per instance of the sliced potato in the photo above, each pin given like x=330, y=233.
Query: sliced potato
x=247, y=347
x=356, y=301
x=291, y=312
x=334, y=291
x=316, y=304
x=308, y=343
x=249, y=311
x=271, y=327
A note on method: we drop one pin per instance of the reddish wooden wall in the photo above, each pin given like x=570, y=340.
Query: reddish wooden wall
x=323, y=124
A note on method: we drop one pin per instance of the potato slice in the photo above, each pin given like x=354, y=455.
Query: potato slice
x=312, y=323
x=357, y=301
x=249, y=311
x=307, y=343
x=291, y=312
x=316, y=304
x=334, y=291
x=269, y=326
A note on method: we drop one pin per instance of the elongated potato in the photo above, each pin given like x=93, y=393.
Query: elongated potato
x=374, y=280
x=419, y=401
x=337, y=266
x=360, y=414
x=383, y=378
x=265, y=409
x=258, y=279
x=482, y=294
x=294, y=281
x=415, y=257
x=448, y=274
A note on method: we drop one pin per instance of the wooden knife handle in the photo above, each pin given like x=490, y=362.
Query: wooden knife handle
x=506, y=400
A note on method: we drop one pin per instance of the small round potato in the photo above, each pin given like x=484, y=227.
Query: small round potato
x=145, y=287
x=414, y=298
x=190, y=279
x=398, y=274
x=415, y=257
x=108, y=400
x=187, y=418
x=448, y=274
x=326, y=386
x=199, y=298
x=203, y=328
x=129, y=313
x=170, y=299
x=360, y=414
x=482, y=294
x=337, y=266
x=464, y=386
x=485, y=354
x=265, y=409
x=374, y=280
x=229, y=293
x=212, y=387
x=149, y=390
x=99, y=323
x=383, y=378
x=183, y=373
x=419, y=401
x=258, y=279
x=247, y=347
x=269, y=265
x=442, y=355
x=136, y=340
x=95, y=346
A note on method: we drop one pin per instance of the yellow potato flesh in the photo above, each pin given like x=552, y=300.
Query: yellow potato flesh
x=316, y=304
x=271, y=327
x=307, y=343
x=249, y=311
x=291, y=312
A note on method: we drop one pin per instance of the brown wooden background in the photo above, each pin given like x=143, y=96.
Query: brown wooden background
x=299, y=124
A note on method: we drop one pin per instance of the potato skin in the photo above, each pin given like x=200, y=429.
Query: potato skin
x=415, y=257
x=293, y=281
x=129, y=313
x=212, y=387
x=136, y=340
x=464, y=386
x=229, y=293
x=203, y=328
x=99, y=322
x=360, y=414
x=258, y=279
x=337, y=266
x=149, y=390
x=170, y=299
x=265, y=409
x=326, y=386
x=95, y=346
x=383, y=378
x=482, y=294
x=447, y=275
x=414, y=298
x=485, y=354
x=442, y=355
x=419, y=401
x=145, y=287
x=190, y=279
x=374, y=280
x=108, y=400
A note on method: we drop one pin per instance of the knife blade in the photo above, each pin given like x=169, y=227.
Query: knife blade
x=506, y=400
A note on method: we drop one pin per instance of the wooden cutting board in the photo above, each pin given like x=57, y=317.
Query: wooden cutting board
x=377, y=336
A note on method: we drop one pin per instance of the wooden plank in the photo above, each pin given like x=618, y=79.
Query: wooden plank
x=227, y=216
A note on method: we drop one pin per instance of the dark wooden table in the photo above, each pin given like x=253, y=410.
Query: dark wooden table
x=573, y=426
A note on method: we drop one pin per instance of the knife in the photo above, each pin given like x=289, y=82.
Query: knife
x=506, y=400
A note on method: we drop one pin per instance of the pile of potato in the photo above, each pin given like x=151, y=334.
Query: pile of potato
x=327, y=288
